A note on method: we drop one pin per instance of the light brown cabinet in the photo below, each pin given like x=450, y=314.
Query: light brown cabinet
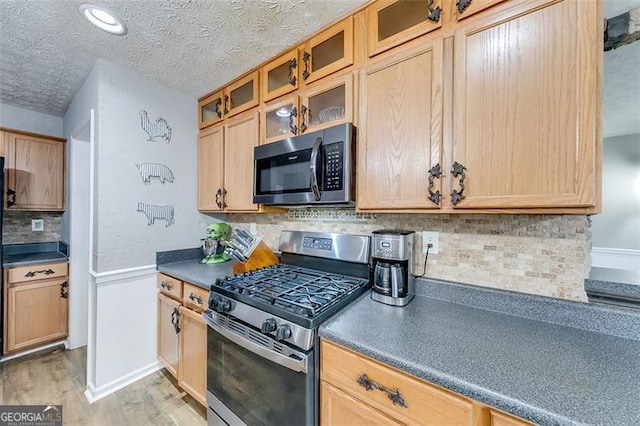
x=182, y=334
x=211, y=109
x=225, y=165
x=280, y=76
x=36, y=305
x=329, y=51
x=34, y=171
x=356, y=389
x=239, y=96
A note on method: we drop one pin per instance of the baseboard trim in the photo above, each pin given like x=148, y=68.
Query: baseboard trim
x=34, y=350
x=102, y=278
x=615, y=258
x=94, y=394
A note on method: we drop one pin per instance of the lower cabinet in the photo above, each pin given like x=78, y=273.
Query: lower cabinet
x=182, y=334
x=355, y=389
x=36, y=306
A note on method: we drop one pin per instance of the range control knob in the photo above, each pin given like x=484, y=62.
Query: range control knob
x=223, y=306
x=213, y=301
x=269, y=325
x=283, y=332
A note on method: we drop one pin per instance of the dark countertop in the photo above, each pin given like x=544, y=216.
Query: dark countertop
x=545, y=372
x=194, y=272
x=34, y=253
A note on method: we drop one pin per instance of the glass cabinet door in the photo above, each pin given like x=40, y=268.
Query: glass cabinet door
x=242, y=94
x=327, y=103
x=328, y=52
x=280, y=76
x=393, y=22
x=279, y=120
x=210, y=110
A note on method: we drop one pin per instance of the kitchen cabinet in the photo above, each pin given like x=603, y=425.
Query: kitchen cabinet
x=239, y=96
x=329, y=51
x=356, y=389
x=467, y=8
x=34, y=171
x=394, y=22
x=280, y=76
x=323, y=104
x=225, y=165
x=400, y=131
x=211, y=110
x=36, y=305
x=182, y=334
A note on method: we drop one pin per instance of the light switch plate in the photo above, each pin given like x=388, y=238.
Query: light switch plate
x=429, y=237
x=37, y=225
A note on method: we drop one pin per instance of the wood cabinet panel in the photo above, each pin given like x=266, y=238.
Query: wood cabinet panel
x=341, y=409
x=466, y=8
x=280, y=76
x=241, y=136
x=501, y=419
x=425, y=403
x=524, y=113
x=37, y=272
x=195, y=297
x=170, y=286
x=193, y=355
x=210, y=110
x=400, y=133
x=328, y=52
x=168, y=335
x=242, y=94
x=211, y=168
x=37, y=313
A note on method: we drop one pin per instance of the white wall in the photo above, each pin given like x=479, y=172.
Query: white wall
x=30, y=121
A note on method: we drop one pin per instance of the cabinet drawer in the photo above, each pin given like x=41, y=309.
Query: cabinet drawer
x=37, y=272
x=425, y=403
x=195, y=297
x=501, y=419
x=170, y=286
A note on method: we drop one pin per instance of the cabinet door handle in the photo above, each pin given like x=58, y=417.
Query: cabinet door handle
x=11, y=197
x=434, y=173
x=218, y=195
x=196, y=298
x=394, y=396
x=166, y=284
x=462, y=5
x=175, y=319
x=44, y=271
x=434, y=14
x=224, y=198
x=458, y=170
x=305, y=58
x=217, y=104
x=293, y=64
x=63, y=287
x=303, y=114
x=292, y=116
x=226, y=104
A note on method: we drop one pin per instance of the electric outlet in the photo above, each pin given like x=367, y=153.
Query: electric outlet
x=429, y=237
x=37, y=225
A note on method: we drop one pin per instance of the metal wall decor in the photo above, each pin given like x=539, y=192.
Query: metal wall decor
x=155, y=170
x=434, y=173
x=434, y=14
x=158, y=129
x=154, y=212
x=458, y=170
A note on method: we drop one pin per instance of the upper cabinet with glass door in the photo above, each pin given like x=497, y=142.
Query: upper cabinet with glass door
x=393, y=22
x=242, y=94
x=210, y=110
x=328, y=52
x=280, y=76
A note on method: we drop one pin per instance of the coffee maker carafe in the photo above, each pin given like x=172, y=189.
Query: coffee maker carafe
x=392, y=267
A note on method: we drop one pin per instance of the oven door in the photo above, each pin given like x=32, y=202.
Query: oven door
x=255, y=380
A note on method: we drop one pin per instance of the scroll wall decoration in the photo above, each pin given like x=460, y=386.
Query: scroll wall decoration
x=154, y=212
x=155, y=170
x=158, y=129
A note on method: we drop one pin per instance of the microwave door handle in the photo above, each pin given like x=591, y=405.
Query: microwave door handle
x=314, y=168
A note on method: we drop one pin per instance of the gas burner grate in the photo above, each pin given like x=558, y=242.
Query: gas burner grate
x=302, y=291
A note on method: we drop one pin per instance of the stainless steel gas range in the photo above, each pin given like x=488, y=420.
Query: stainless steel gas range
x=262, y=342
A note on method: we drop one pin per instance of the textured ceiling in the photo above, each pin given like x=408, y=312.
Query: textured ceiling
x=47, y=48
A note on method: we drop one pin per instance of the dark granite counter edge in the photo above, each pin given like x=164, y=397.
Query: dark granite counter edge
x=490, y=398
x=34, y=253
x=174, y=256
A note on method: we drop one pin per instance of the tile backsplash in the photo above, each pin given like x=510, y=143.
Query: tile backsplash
x=16, y=227
x=547, y=255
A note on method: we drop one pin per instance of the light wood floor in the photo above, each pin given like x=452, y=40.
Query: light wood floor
x=58, y=376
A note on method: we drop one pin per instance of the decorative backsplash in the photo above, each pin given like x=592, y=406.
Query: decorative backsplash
x=547, y=255
x=16, y=227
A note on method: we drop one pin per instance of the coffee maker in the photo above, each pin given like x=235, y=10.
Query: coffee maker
x=392, y=267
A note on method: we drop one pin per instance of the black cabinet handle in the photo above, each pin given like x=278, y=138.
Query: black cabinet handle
x=458, y=171
x=434, y=173
x=394, y=396
x=166, y=284
x=218, y=195
x=175, y=319
x=63, y=293
x=11, y=197
x=33, y=273
x=305, y=58
x=196, y=298
x=226, y=104
x=217, y=104
x=462, y=5
x=292, y=115
x=303, y=115
x=224, y=198
x=434, y=14
x=293, y=64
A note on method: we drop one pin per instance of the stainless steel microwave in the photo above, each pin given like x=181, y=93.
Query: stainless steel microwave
x=316, y=168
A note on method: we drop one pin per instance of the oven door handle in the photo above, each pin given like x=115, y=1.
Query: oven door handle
x=300, y=365
x=314, y=169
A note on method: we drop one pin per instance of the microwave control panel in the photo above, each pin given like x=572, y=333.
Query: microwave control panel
x=334, y=154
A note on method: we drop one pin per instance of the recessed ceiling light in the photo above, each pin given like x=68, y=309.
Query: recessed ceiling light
x=103, y=19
